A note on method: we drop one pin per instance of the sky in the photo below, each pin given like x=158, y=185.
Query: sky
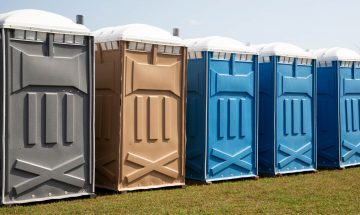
x=307, y=23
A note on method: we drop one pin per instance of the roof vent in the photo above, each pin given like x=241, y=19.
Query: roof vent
x=80, y=19
x=176, y=32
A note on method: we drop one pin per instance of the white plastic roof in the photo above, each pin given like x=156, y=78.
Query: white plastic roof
x=102, y=32
x=190, y=42
x=258, y=47
x=285, y=49
x=38, y=20
x=219, y=44
x=318, y=52
x=137, y=32
x=337, y=54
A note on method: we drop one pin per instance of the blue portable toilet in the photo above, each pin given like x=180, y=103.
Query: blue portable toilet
x=221, y=110
x=338, y=80
x=287, y=92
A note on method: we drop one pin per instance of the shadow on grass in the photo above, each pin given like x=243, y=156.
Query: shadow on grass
x=105, y=192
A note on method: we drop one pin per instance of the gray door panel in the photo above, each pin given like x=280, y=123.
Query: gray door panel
x=48, y=127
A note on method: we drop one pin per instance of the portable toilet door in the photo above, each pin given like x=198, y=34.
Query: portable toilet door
x=222, y=110
x=338, y=108
x=140, y=108
x=287, y=127
x=47, y=106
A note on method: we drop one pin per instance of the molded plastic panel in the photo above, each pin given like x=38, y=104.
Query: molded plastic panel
x=287, y=135
x=140, y=119
x=195, y=119
x=327, y=127
x=231, y=149
x=107, y=117
x=48, y=125
x=295, y=138
x=349, y=101
x=266, y=117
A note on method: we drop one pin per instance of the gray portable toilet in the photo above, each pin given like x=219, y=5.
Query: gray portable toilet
x=47, y=104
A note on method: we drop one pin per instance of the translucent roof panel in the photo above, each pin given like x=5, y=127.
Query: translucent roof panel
x=339, y=54
x=138, y=33
x=38, y=20
x=219, y=44
x=285, y=49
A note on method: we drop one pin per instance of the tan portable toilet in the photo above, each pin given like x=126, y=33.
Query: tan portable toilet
x=140, y=108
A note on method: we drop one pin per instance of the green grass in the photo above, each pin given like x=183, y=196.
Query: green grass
x=325, y=192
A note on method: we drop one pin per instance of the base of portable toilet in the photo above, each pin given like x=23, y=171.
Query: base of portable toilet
x=338, y=108
x=221, y=110
x=287, y=127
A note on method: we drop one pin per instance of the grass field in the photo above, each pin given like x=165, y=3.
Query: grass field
x=325, y=192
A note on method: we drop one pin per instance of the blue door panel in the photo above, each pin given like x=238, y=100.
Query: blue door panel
x=231, y=114
x=295, y=145
x=349, y=102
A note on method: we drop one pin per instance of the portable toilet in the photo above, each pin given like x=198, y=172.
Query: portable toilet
x=140, y=108
x=221, y=110
x=287, y=127
x=338, y=81
x=47, y=107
